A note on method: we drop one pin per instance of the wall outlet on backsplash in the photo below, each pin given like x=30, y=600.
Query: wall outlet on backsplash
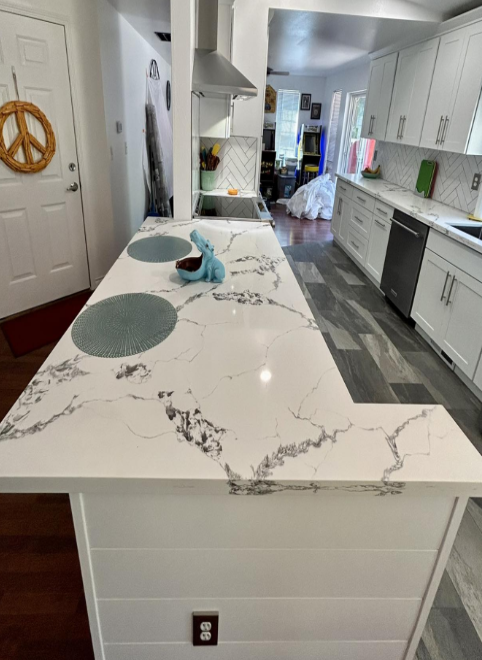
x=237, y=166
x=476, y=181
x=453, y=184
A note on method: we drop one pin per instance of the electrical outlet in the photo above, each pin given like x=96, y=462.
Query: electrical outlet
x=205, y=626
x=476, y=181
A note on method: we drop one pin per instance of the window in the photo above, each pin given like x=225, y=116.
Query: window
x=287, y=114
x=332, y=134
x=357, y=151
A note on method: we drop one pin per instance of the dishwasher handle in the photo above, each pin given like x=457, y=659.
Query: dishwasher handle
x=411, y=231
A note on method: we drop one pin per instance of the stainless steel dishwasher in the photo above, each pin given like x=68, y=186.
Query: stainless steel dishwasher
x=405, y=250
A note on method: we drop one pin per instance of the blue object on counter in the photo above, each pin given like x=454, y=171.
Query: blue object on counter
x=206, y=267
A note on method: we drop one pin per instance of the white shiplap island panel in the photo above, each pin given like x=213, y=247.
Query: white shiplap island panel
x=229, y=469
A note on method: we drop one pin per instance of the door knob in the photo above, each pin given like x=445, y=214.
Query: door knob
x=73, y=187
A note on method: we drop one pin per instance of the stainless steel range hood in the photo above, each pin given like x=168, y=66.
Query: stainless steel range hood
x=213, y=74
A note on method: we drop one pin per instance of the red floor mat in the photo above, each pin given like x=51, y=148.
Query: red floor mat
x=42, y=326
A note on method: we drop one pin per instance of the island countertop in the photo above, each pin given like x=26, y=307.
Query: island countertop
x=243, y=397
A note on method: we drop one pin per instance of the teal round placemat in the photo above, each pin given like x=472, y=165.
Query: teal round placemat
x=124, y=325
x=159, y=249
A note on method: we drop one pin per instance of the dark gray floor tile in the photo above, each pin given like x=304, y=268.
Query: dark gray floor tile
x=343, y=317
x=446, y=388
x=362, y=377
x=447, y=595
x=450, y=635
x=422, y=652
x=468, y=421
x=309, y=272
x=413, y=393
x=323, y=296
x=370, y=298
x=400, y=332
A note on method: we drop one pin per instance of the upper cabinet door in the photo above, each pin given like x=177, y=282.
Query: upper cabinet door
x=412, y=84
x=380, y=88
x=464, y=127
x=444, y=88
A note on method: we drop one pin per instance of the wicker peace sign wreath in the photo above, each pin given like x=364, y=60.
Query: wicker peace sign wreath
x=25, y=139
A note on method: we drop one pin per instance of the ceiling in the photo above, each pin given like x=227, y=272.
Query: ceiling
x=148, y=17
x=315, y=44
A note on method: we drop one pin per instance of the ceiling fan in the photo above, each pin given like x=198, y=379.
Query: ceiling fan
x=272, y=72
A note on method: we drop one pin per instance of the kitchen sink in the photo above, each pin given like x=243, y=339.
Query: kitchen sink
x=472, y=230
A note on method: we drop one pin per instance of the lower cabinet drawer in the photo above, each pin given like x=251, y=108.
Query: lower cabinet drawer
x=382, y=210
x=361, y=221
x=344, y=188
x=365, y=200
x=357, y=245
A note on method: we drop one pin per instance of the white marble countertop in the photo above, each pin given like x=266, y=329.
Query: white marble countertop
x=432, y=213
x=243, y=397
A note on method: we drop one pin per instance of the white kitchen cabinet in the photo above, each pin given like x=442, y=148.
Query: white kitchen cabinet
x=462, y=339
x=429, y=304
x=377, y=247
x=346, y=207
x=463, y=133
x=336, y=218
x=341, y=217
x=411, y=90
x=215, y=117
x=444, y=88
x=448, y=307
x=379, y=96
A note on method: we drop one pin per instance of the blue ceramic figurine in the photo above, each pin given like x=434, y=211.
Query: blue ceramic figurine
x=206, y=267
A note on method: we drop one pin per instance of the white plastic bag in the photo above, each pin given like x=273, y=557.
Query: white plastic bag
x=314, y=200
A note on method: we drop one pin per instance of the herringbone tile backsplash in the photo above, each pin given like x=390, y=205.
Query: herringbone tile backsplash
x=237, y=167
x=400, y=164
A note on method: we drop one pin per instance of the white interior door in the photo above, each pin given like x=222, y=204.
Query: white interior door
x=43, y=254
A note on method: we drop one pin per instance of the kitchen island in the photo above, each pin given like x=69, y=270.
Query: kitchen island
x=228, y=469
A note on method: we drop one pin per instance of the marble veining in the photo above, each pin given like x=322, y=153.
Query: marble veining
x=243, y=397
x=436, y=215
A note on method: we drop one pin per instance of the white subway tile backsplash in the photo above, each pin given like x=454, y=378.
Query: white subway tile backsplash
x=400, y=164
x=237, y=167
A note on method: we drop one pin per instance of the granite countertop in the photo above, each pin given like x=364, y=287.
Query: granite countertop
x=432, y=213
x=243, y=397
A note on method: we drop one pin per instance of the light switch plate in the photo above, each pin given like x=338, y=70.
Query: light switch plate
x=205, y=627
x=476, y=181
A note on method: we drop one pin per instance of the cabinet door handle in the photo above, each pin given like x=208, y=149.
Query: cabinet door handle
x=358, y=219
x=445, y=286
x=381, y=211
x=357, y=247
x=398, y=132
x=363, y=201
x=404, y=119
x=450, y=291
x=370, y=125
x=339, y=206
x=439, y=129
x=380, y=224
x=444, y=132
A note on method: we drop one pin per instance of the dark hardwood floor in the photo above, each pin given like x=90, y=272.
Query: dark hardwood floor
x=293, y=231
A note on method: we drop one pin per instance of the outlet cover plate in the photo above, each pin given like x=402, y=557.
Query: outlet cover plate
x=476, y=181
x=205, y=627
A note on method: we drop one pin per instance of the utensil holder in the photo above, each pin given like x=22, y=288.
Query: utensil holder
x=208, y=180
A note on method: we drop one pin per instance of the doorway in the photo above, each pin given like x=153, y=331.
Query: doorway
x=357, y=152
x=43, y=255
x=333, y=133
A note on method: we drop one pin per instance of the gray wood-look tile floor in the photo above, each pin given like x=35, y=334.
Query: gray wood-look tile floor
x=382, y=359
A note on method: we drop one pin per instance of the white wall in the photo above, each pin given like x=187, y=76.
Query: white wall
x=305, y=85
x=126, y=57
x=348, y=80
x=85, y=70
x=183, y=31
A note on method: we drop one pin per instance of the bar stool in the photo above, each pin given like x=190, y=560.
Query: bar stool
x=309, y=173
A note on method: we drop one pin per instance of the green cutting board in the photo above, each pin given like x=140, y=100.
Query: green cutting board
x=426, y=177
